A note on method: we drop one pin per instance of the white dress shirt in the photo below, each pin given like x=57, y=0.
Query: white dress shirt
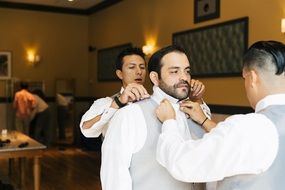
x=242, y=144
x=126, y=135
x=99, y=107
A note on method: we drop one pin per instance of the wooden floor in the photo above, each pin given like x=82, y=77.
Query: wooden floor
x=68, y=169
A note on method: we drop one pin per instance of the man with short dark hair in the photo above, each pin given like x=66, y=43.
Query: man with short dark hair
x=130, y=69
x=128, y=151
x=244, y=152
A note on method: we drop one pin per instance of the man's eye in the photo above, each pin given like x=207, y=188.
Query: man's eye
x=173, y=71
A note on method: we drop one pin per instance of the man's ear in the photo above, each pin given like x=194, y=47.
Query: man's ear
x=154, y=78
x=254, y=78
x=119, y=74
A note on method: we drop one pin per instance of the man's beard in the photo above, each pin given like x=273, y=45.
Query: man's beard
x=173, y=90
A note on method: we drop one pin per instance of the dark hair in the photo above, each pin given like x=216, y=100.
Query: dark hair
x=24, y=85
x=264, y=54
x=126, y=52
x=155, y=63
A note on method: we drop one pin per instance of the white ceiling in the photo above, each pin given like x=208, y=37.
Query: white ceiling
x=75, y=4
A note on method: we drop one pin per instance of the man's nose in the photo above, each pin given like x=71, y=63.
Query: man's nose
x=184, y=76
x=139, y=71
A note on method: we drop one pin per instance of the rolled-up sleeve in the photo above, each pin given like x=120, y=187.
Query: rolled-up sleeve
x=99, y=107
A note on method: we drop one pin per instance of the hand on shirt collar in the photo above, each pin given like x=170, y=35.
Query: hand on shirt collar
x=165, y=111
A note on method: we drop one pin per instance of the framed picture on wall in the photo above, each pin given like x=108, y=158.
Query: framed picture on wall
x=206, y=10
x=5, y=64
x=215, y=50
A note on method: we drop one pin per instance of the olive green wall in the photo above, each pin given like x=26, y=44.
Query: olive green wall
x=135, y=21
x=60, y=39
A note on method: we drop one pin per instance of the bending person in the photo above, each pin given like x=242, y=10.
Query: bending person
x=40, y=126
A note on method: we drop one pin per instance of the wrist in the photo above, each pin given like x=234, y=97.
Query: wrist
x=199, y=100
x=114, y=105
x=118, y=102
x=203, y=122
x=207, y=124
x=122, y=100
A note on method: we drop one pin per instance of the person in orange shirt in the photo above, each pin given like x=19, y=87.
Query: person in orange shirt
x=24, y=102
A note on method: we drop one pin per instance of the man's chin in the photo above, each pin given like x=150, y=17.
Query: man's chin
x=183, y=94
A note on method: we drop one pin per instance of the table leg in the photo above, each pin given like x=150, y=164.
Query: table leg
x=22, y=172
x=37, y=173
x=11, y=165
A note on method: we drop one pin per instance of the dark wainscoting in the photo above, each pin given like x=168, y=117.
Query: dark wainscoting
x=230, y=110
x=220, y=109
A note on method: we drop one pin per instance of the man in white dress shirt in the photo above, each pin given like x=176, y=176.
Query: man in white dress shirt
x=128, y=151
x=131, y=70
x=244, y=152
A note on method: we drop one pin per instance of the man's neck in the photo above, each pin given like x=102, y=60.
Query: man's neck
x=158, y=95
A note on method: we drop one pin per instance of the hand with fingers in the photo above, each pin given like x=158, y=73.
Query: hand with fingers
x=197, y=91
x=133, y=92
x=165, y=111
x=195, y=112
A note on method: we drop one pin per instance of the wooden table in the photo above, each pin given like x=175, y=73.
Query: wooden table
x=33, y=150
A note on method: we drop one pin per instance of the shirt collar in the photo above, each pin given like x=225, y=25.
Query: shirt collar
x=158, y=95
x=275, y=99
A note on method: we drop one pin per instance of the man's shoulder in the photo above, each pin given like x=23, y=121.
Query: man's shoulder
x=129, y=108
x=128, y=112
x=106, y=99
x=20, y=93
x=102, y=100
x=24, y=94
x=137, y=104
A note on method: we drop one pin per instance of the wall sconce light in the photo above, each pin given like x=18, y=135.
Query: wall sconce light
x=283, y=25
x=148, y=49
x=33, y=59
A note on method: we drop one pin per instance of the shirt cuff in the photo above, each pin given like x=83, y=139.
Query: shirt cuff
x=206, y=109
